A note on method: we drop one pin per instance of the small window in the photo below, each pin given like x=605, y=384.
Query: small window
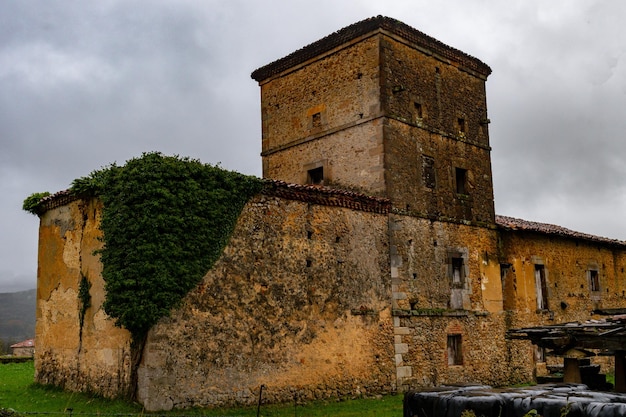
x=315, y=176
x=541, y=287
x=317, y=120
x=455, y=349
x=457, y=273
x=419, y=114
x=594, y=280
x=540, y=354
x=461, y=125
x=461, y=180
x=504, y=270
x=428, y=171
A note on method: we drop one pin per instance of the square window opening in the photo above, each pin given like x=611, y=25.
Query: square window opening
x=317, y=120
x=315, y=176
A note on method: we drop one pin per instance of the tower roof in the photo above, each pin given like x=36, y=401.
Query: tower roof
x=378, y=23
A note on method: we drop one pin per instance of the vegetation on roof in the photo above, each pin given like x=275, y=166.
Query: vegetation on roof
x=33, y=202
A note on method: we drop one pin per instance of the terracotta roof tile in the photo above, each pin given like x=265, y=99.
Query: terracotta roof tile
x=24, y=344
x=512, y=223
x=327, y=196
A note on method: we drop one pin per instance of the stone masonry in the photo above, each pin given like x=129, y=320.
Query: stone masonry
x=372, y=262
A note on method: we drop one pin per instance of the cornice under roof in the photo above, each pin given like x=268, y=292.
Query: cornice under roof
x=361, y=28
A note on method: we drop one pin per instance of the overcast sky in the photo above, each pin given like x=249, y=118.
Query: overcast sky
x=87, y=83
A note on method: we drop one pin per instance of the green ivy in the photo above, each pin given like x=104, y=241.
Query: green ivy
x=32, y=203
x=165, y=222
x=84, y=300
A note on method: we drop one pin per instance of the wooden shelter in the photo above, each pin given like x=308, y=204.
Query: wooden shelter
x=575, y=341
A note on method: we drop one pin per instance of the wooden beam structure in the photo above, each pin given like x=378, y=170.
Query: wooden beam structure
x=573, y=340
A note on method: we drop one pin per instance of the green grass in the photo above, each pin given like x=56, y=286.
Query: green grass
x=18, y=392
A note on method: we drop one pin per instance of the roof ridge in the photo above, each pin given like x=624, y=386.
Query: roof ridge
x=361, y=28
x=514, y=223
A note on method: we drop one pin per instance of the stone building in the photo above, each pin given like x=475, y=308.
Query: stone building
x=372, y=261
x=25, y=348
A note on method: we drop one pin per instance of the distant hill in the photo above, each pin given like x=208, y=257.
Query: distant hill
x=17, y=317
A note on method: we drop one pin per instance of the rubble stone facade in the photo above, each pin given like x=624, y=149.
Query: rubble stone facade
x=372, y=262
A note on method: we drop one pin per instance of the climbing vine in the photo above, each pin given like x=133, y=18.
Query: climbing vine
x=84, y=300
x=165, y=222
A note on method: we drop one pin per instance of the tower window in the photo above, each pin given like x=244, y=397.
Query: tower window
x=457, y=272
x=317, y=120
x=461, y=180
x=419, y=114
x=428, y=171
x=315, y=176
x=455, y=349
x=461, y=125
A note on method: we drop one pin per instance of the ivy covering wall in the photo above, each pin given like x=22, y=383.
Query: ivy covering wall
x=165, y=222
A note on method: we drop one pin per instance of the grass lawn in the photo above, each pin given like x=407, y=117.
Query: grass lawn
x=18, y=392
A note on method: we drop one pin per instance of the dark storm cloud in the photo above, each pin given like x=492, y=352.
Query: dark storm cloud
x=85, y=84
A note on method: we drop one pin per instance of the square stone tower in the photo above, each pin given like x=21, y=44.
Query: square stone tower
x=381, y=108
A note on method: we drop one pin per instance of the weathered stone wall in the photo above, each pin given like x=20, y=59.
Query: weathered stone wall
x=319, y=113
x=445, y=92
x=341, y=169
x=566, y=263
x=299, y=302
x=426, y=312
x=424, y=99
x=98, y=358
x=487, y=357
x=421, y=271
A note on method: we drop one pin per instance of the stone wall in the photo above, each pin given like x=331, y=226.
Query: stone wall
x=428, y=308
x=319, y=113
x=96, y=358
x=298, y=302
x=425, y=99
x=566, y=263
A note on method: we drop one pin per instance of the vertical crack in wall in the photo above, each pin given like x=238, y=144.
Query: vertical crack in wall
x=84, y=297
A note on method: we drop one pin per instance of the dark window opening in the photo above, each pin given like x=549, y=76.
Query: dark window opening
x=594, y=280
x=317, y=120
x=457, y=273
x=461, y=123
x=455, y=349
x=541, y=287
x=418, y=110
x=428, y=171
x=504, y=270
x=461, y=180
x=315, y=176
